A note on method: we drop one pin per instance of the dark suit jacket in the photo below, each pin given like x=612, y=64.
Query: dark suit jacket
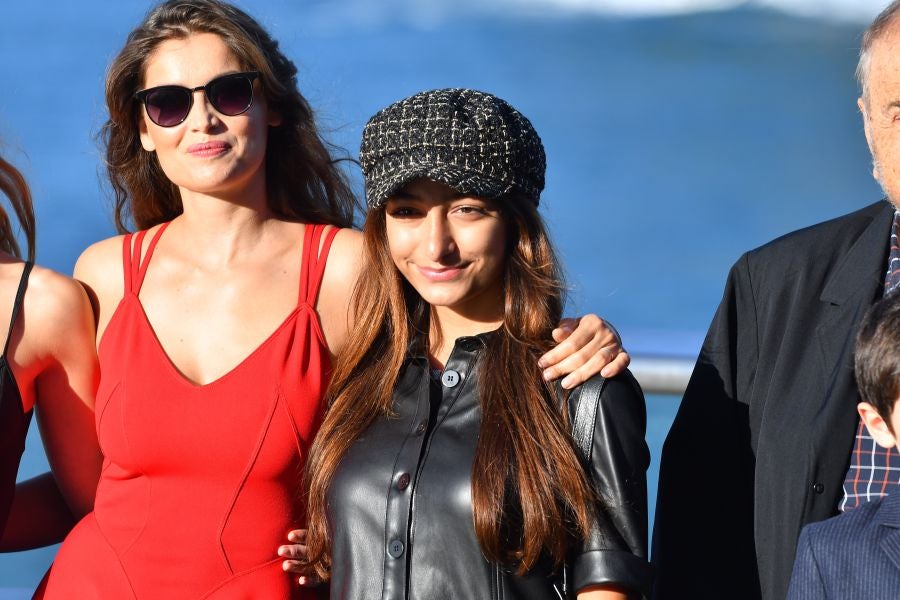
x=762, y=439
x=855, y=555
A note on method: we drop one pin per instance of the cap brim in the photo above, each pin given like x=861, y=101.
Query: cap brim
x=462, y=180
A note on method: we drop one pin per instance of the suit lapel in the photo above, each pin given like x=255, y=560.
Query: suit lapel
x=848, y=293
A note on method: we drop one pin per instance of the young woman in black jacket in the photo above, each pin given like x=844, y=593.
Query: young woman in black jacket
x=446, y=466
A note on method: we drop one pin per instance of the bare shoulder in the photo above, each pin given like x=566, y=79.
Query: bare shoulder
x=344, y=262
x=347, y=245
x=100, y=270
x=58, y=304
x=99, y=262
x=341, y=273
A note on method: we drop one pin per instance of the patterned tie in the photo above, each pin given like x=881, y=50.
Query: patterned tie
x=873, y=470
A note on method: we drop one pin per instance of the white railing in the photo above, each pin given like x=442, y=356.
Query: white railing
x=662, y=374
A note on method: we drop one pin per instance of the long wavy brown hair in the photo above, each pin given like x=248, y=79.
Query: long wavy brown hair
x=14, y=187
x=530, y=495
x=303, y=180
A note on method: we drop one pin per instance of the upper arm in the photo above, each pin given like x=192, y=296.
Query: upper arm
x=60, y=331
x=341, y=274
x=100, y=270
x=708, y=453
x=616, y=550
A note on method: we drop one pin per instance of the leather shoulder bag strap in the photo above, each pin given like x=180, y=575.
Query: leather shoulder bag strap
x=585, y=418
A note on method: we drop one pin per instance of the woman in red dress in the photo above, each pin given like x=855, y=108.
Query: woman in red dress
x=218, y=320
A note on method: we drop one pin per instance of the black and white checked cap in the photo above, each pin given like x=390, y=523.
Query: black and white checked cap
x=472, y=141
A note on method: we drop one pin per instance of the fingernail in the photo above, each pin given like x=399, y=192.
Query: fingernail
x=566, y=383
x=285, y=566
x=292, y=537
x=542, y=364
x=301, y=580
x=282, y=550
x=548, y=376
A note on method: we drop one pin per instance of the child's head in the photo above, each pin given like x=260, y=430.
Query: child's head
x=878, y=370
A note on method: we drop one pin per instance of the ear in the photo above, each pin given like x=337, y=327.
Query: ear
x=877, y=426
x=861, y=103
x=146, y=140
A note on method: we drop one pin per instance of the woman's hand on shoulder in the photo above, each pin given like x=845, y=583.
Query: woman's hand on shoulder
x=585, y=347
x=341, y=274
x=59, y=334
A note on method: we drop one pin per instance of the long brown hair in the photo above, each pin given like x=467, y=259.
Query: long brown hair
x=302, y=180
x=14, y=187
x=529, y=492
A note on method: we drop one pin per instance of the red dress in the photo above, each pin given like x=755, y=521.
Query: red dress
x=200, y=483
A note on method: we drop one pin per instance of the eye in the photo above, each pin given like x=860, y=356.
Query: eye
x=401, y=211
x=470, y=211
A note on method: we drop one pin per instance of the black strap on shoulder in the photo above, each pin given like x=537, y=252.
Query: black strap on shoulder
x=586, y=417
x=17, y=304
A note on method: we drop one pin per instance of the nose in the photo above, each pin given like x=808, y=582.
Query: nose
x=202, y=115
x=440, y=236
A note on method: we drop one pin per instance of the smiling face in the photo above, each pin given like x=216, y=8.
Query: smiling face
x=208, y=153
x=450, y=247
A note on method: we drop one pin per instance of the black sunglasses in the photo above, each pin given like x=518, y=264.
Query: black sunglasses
x=169, y=105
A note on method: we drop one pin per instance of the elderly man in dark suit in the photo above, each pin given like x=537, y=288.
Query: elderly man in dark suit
x=767, y=437
x=857, y=554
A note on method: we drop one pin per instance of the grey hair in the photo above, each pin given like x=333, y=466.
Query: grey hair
x=872, y=33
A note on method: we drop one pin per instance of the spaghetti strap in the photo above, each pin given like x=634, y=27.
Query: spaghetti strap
x=313, y=267
x=136, y=265
x=17, y=303
x=126, y=262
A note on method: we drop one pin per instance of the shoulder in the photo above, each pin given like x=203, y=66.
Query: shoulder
x=100, y=269
x=848, y=531
x=344, y=262
x=52, y=294
x=823, y=240
x=56, y=312
x=94, y=265
x=621, y=410
x=347, y=246
x=621, y=394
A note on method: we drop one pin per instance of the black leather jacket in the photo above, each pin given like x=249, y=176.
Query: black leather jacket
x=400, y=511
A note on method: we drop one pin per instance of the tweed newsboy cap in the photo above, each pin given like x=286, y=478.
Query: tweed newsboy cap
x=472, y=141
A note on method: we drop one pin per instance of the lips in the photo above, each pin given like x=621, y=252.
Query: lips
x=205, y=149
x=440, y=273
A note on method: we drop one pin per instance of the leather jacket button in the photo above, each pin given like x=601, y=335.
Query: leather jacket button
x=421, y=427
x=818, y=488
x=403, y=482
x=395, y=548
x=450, y=378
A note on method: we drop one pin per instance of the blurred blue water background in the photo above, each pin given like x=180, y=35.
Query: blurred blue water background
x=674, y=142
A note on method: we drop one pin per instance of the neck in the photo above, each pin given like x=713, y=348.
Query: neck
x=219, y=232
x=448, y=325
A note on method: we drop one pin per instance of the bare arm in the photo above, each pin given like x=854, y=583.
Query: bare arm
x=38, y=497
x=64, y=395
x=54, y=361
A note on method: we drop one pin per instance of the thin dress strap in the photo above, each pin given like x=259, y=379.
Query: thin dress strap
x=313, y=267
x=17, y=303
x=135, y=266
